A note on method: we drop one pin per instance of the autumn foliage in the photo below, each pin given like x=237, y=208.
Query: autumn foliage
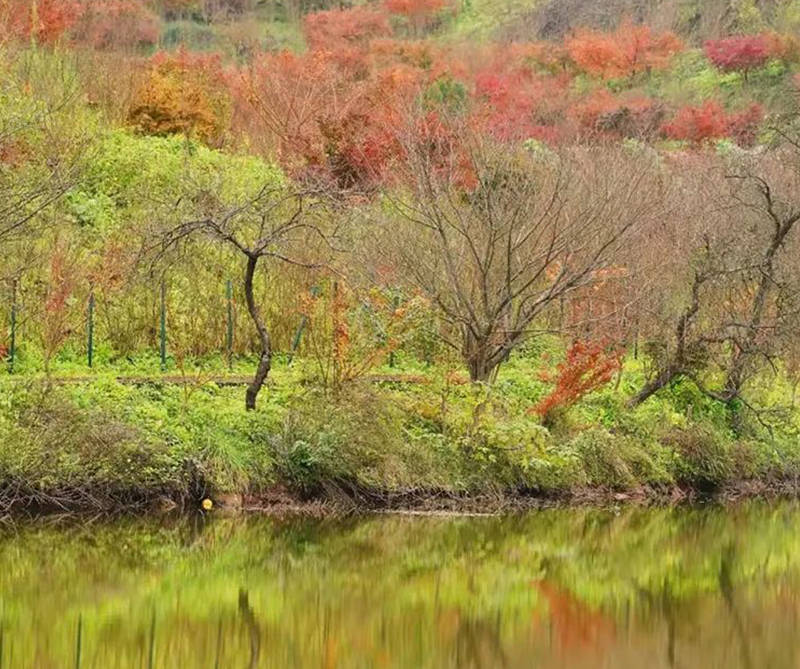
x=182, y=93
x=738, y=53
x=629, y=50
x=589, y=365
x=418, y=13
x=43, y=20
x=101, y=24
x=710, y=121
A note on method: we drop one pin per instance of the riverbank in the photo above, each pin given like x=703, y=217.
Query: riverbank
x=423, y=441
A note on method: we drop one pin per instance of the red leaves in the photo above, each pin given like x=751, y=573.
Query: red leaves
x=519, y=104
x=102, y=24
x=414, y=7
x=418, y=13
x=743, y=126
x=709, y=121
x=44, y=20
x=603, y=114
x=587, y=367
x=738, y=53
x=329, y=29
x=627, y=51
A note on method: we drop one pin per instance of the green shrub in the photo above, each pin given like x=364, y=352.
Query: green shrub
x=618, y=461
x=354, y=442
x=704, y=459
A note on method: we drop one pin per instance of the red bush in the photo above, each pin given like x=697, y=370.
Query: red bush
x=45, y=20
x=738, y=53
x=518, y=104
x=587, y=367
x=604, y=114
x=709, y=121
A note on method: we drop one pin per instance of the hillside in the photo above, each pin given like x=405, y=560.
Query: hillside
x=458, y=248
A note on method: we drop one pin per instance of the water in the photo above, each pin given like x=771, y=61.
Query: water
x=704, y=588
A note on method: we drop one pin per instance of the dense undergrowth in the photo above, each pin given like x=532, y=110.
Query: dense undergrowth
x=405, y=438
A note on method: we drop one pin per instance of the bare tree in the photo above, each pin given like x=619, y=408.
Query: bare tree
x=741, y=286
x=495, y=235
x=279, y=223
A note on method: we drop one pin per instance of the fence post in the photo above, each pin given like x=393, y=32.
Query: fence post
x=151, y=660
x=79, y=642
x=395, y=306
x=12, y=351
x=315, y=290
x=229, y=334
x=163, y=326
x=90, y=328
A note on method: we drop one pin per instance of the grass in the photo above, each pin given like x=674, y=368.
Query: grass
x=106, y=444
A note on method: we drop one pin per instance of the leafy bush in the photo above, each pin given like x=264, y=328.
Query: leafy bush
x=352, y=443
x=705, y=460
x=617, y=461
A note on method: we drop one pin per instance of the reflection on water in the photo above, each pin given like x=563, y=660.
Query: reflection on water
x=559, y=588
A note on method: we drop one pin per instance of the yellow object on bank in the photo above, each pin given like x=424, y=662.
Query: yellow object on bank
x=207, y=504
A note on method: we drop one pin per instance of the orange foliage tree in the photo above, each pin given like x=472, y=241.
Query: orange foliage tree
x=183, y=93
x=350, y=332
x=629, y=50
x=589, y=365
x=280, y=99
x=43, y=20
x=323, y=120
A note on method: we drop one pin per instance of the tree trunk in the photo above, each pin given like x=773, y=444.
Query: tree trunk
x=651, y=388
x=265, y=360
x=477, y=355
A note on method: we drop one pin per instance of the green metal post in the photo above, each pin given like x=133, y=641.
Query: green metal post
x=90, y=329
x=151, y=661
x=12, y=351
x=395, y=306
x=79, y=643
x=229, y=334
x=163, y=328
x=315, y=290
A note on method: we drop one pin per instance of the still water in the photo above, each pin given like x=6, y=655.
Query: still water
x=705, y=587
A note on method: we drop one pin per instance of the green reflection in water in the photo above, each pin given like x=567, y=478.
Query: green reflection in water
x=707, y=587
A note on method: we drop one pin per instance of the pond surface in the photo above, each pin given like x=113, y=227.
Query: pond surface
x=707, y=587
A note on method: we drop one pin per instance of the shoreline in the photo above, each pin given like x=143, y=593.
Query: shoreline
x=279, y=502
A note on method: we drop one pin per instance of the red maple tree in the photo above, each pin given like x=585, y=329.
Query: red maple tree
x=738, y=53
x=588, y=366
